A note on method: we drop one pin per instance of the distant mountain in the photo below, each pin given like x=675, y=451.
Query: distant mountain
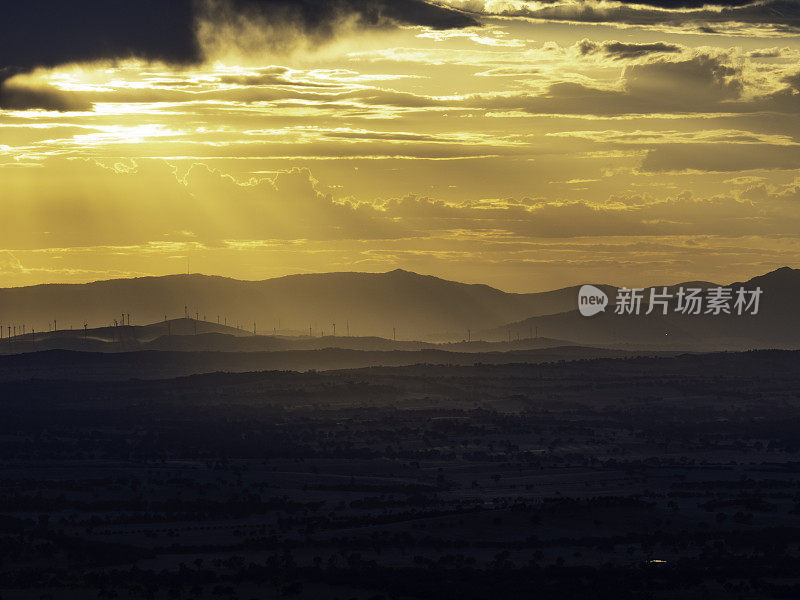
x=371, y=304
x=380, y=306
x=118, y=338
x=191, y=335
x=777, y=324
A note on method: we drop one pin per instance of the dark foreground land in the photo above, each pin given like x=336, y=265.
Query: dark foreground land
x=656, y=478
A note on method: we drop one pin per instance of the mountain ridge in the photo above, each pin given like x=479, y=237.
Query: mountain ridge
x=397, y=304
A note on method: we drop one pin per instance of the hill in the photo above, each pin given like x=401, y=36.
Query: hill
x=777, y=324
x=191, y=335
x=375, y=308
x=401, y=303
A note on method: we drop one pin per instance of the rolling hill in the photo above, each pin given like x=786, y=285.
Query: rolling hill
x=369, y=304
x=370, y=310
x=777, y=324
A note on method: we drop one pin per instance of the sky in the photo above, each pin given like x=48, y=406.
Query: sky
x=529, y=145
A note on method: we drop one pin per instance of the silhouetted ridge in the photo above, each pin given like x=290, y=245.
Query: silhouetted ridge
x=403, y=305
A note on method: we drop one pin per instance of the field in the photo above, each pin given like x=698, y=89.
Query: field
x=669, y=477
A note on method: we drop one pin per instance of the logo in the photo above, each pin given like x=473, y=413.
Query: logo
x=681, y=300
x=591, y=300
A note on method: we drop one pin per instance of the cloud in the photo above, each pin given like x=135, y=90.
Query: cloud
x=102, y=204
x=113, y=203
x=320, y=16
x=673, y=4
x=32, y=35
x=178, y=31
x=85, y=30
x=521, y=71
x=781, y=17
x=702, y=83
x=16, y=96
x=666, y=4
x=721, y=158
x=621, y=50
x=619, y=216
x=705, y=77
x=291, y=205
x=772, y=53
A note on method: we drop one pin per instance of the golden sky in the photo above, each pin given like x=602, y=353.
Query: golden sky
x=554, y=143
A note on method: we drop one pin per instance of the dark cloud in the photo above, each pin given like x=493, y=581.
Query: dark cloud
x=37, y=34
x=670, y=4
x=721, y=158
x=793, y=81
x=320, y=16
x=638, y=216
x=674, y=4
x=783, y=16
x=702, y=83
x=42, y=34
x=15, y=97
x=768, y=53
x=706, y=78
x=622, y=50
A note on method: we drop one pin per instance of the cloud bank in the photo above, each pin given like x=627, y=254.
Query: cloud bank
x=154, y=30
